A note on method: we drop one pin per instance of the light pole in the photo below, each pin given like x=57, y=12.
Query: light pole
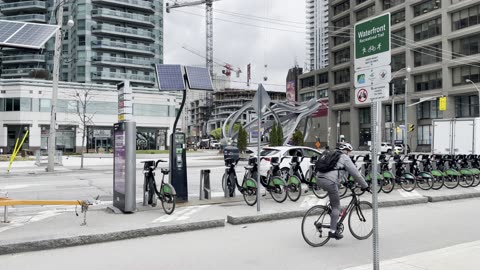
x=407, y=69
x=470, y=81
x=58, y=11
x=405, y=141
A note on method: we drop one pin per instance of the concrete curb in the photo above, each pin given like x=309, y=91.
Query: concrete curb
x=418, y=200
x=265, y=217
x=453, y=197
x=107, y=237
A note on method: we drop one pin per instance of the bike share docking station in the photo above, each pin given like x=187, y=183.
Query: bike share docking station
x=176, y=78
x=124, y=152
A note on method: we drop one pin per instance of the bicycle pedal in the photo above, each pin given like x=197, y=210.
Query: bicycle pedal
x=305, y=191
x=264, y=195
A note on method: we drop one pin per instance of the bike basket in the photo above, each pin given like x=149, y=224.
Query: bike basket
x=148, y=164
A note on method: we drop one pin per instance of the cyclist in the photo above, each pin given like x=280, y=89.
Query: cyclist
x=331, y=180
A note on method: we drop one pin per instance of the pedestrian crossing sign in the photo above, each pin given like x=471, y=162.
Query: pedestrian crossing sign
x=442, y=104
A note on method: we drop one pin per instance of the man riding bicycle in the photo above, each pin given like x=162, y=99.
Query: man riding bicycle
x=330, y=181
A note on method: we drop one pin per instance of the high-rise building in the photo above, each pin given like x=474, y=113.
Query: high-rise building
x=437, y=39
x=111, y=40
x=317, y=34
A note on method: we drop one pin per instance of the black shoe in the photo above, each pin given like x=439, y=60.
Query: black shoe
x=335, y=235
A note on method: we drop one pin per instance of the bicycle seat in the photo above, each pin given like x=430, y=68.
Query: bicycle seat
x=165, y=171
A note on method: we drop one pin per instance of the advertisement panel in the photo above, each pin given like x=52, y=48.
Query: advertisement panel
x=291, y=92
x=323, y=110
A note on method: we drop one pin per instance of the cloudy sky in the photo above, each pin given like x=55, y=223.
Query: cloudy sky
x=259, y=32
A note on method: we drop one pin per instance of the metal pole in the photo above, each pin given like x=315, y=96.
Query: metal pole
x=339, y=116
x=259, y=138
x=376, y=119
x=405, y=140
x=393, y=117
x=5, y=214
x=56, y=71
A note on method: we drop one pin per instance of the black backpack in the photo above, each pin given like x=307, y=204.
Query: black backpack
x=327, y=161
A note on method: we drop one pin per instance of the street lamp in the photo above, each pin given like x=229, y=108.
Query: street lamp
x=58, y=14
x=407, y=69
x=470, y=81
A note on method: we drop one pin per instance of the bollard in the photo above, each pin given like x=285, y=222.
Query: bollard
x=5, y=214
x=205, y=191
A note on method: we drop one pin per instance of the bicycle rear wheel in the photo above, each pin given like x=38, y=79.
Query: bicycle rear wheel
x=152, y=196
x=476, y=180
x=451, y=181
x=425, y=182
x=407, y=182
x=278, y=189
x=437, y=182
x=294, y=188
x=249, y=191
x=168, y=198
x=360, y=220
x=230, y=184
x=388, y=185
x=316, y=225
x=466, y=181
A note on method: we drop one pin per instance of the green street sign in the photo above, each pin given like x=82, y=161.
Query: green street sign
x=372, y=42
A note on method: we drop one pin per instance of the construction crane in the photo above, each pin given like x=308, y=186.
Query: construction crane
x=228, y=68
x=209, y=24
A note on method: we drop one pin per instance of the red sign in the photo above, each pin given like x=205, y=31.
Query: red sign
x=362, y=95
x=322, y=111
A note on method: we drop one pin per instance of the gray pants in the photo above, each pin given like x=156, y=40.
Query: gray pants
x=332, y=189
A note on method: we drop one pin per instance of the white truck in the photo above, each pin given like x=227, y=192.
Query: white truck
x=456, y=136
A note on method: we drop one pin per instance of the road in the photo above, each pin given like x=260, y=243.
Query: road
x=271, y=245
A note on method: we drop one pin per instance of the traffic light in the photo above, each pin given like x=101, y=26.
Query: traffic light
x=398, y=130
x=411, y=127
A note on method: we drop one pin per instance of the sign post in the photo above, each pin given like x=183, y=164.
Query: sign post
x=372, y=77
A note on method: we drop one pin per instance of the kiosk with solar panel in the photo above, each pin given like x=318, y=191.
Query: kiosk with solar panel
x=179, y=78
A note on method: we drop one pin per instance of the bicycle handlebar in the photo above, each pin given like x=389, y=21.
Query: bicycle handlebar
x=158, y=161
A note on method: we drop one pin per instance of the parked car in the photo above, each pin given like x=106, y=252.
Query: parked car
x=288, y=152
x=400, y=147
x=387, y=148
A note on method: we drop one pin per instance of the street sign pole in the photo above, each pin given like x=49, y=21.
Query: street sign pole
x=376, y=119
x=259, y=139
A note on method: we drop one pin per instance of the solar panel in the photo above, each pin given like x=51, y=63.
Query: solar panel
x=33, y=35
x=170, y=78
x=199, y=78
x=25, y=35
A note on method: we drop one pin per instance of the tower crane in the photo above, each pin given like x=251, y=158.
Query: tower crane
x=209, y=24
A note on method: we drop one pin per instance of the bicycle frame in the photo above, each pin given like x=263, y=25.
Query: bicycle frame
x=354, y=203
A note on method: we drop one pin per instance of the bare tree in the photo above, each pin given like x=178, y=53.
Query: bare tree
x=83, y=98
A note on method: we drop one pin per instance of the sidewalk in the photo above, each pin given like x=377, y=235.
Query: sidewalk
x=461, y=256
x=57, y=226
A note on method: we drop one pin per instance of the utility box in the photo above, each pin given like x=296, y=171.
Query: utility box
x=456, y=136
x=231, y=152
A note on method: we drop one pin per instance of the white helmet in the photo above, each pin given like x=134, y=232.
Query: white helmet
x=345, y=146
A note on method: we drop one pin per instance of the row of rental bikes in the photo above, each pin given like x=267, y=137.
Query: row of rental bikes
x=408, y=172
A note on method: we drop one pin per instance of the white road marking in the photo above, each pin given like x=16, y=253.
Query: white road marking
x=22, y=221
x=312, y=200
x=182, y=214
x=410, y=194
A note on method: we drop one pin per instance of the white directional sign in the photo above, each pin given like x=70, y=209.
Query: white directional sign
x=373, y=76
x=369, y=94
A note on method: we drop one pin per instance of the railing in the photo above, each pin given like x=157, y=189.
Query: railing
x=125, y=30
x=123, y=45
x=131, y=16
x=112, y=75
x=23, y=4
x=124, y=60
x=35, y=17
x=24, y=57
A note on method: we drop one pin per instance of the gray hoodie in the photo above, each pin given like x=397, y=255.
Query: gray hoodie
x=337, y=176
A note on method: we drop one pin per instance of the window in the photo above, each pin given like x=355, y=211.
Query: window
x=344, y=6
x=365, y=136
x=99, y=107
x=397, y=17
x=307, y=96
x=428, y=55
x=322, y=93
x=426, y=7
x=45, y=105
x=341, y=38
x=428, y=81
x=342, y=56
x=10, y=104
x=342, y=76
x=391, y=3
x=307, y=82
x=26, y=104
x=151, y=110
x=364, y=116
x=461, y=74
x=341, y=96
x=427, y=29
x=322, y=78
x=398, y=39
x=365, y=13
x=398, y=61
x=466, y=106
x=466, y=18
x=81, y=40
x=399, y=112
x=466, y=46
x=399, y=86
x=361, y=1
x=424, y=135
x=345, y=21
x=388, y=113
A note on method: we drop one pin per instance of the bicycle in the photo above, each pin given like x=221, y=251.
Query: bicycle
x=274, y=183
x=295, y=177
x=474, y=163
x=438, y=176
x=405, y=179
x=166, y=194
x=248, y=188
x=424, y=180
x=317, y=220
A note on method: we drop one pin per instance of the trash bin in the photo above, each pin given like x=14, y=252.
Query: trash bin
x=231, y=152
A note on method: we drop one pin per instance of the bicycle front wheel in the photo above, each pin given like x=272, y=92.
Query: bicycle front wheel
x=249, y=191
x=360, y=220
x=278, y=189
x=425, y=182
x=316, y=225
x=466, y=181
x=168, y=198
x=388, y=185
x=294, y=188
x=407, y=182
x=437, y=182
x=152, y=196
x=451, y=181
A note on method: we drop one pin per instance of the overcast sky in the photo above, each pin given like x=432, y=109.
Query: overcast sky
x=237, y=43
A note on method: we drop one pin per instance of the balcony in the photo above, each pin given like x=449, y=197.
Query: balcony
x=17, y=72
x=124, y=62
x=26, y=18
x=123, y=17
x=24, y=58
x=124, y=32
x=121, y=46
x=145, y=6
x=117, y=77
x=30, y=6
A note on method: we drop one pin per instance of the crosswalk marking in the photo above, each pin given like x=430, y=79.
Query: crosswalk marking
x=312, y=200
x=24, y=220
x=410, y=194
x=179, y=215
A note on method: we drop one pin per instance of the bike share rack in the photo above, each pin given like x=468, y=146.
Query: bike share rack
x=205, y=190
x=6, y=202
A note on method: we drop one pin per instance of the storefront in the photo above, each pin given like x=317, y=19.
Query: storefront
x=65, y=138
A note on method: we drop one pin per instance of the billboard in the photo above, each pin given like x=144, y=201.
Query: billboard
x=291, y=92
